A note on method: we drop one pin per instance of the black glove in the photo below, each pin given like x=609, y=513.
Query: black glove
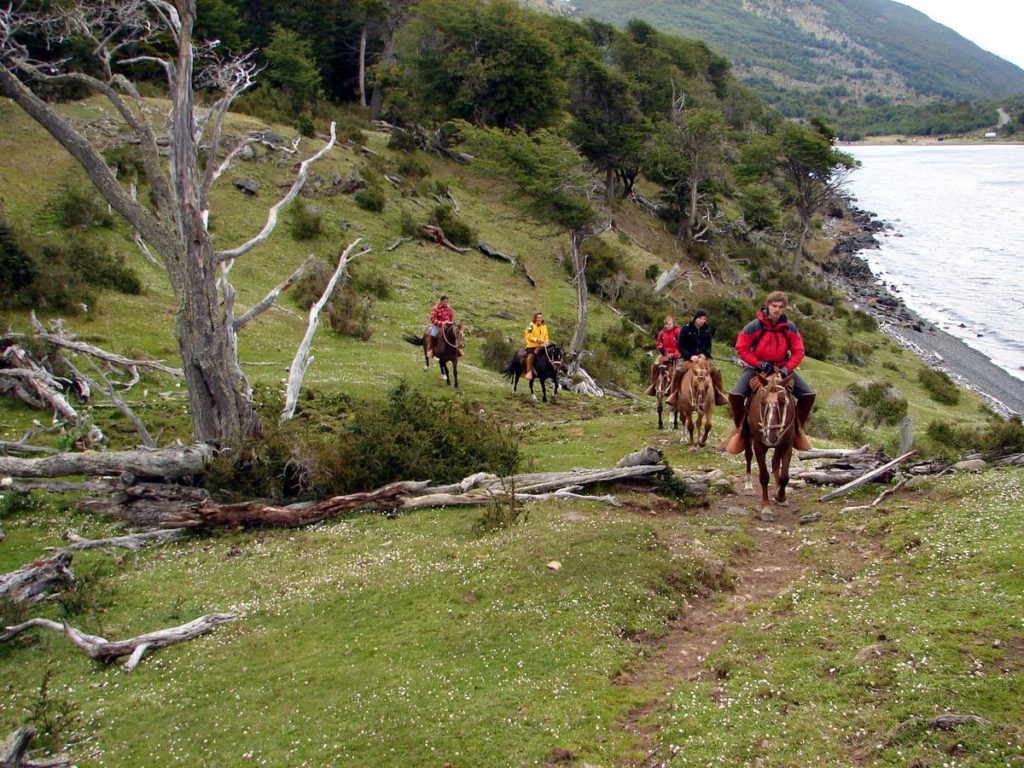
x=784, y=371
x=765, y=367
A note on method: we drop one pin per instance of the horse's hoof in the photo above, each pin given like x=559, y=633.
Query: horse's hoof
x=782, y=503
x=767, y=516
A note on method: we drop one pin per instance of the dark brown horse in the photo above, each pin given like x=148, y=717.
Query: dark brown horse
x=547, y=362
x=697, y=396
x=770, y=424
x=662, y=389
x=447, y=348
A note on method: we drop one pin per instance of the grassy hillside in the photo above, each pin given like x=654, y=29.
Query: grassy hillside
x=412, y=640
x=834, y=53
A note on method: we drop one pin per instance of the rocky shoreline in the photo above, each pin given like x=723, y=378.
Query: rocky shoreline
x=851, y=273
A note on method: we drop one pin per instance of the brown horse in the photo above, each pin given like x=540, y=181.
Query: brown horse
x=770, y=424
x=697, y=396
x=662, y=389
x=447, y=348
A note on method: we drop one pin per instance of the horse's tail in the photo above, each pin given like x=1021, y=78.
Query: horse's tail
x=510, y=369
x=415, y=340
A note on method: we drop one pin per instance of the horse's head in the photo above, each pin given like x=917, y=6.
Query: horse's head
x=700, y=384
x=775, y=410
x=454, y=336
x=554, y=355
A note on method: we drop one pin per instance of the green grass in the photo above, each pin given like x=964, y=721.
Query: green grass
x=384, y=642
x=943, y=600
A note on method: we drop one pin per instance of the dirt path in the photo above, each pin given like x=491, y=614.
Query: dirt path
x=767, y=570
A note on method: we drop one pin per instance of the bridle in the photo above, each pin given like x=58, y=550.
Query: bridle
x=453, y=327
x=699, y=387
x=776, y=417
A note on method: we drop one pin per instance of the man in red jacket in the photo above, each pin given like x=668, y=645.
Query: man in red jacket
x=440, y=315
x=771, y=342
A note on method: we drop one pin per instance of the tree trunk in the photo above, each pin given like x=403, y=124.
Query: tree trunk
x=579, y=265
x=609, y=185
x=362, y=66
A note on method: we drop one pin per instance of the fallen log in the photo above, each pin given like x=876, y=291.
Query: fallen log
x=101, y=649
x=14, y=747
x=36, y=581
x=837, y=453
x=131, y=541
x=867, y=477
x=170, y=463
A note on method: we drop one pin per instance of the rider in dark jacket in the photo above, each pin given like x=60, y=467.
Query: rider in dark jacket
x=694, y=343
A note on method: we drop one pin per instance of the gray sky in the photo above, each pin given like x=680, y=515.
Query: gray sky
x=995, y=25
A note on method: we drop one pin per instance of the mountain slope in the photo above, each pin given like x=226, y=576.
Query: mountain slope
x=836, y=50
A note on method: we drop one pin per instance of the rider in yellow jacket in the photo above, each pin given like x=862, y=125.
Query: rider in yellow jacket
x=536, y=336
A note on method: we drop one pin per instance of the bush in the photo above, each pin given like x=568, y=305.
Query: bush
x=817, y=343
x=371, y=284
x=370, y=198
x=454, y=228
x=603, y=261
x=727, y=316
x=880, y=402
x=941, y=388
x=496, y=350
x=408, y=225
x=350, y=314
x=78, y=208
x=414, y=165
x=305, y=223
x=413, y=437
x=402, y=141
x=98, y=266
x=310, y=287
x=858, y=320
x=640, y=304
x=127, y=161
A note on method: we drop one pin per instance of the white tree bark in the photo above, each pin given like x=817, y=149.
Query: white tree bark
x=303, y=359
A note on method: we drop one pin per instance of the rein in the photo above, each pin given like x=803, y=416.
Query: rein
x=775, y=418
x=451, y=342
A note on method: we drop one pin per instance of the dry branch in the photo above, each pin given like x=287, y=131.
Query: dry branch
x=271, y=297
x=864, y=450
x=303, y=359
x=14, y=747
x=39, y=579
x=101, y=649
x=867, y=477
x=131, y=541
x=165, y=463
x=438, y=236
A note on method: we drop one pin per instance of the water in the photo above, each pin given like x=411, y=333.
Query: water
x=956, y=253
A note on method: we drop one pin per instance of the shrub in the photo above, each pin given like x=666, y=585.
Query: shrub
x=880, y=402
x=817, y=343
x=858, y=320
x=727, y=316
x=414, y=437
x=370, y=198
x=98, y=266
x=408, y=225
x=402, y=141
x=414, y=166
x=305, y=223
x=126, y=160
x=371, y=284
x=80, y=208
x=305, y=126
x=941, y=388
x=603, y=262
x=497, y=349
x=454, y=228
x=350, y=314
x=310, y=287
x=642, y=305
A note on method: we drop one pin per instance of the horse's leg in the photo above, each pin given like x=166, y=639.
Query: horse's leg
x=690, y=432
x=444, y=372
x=707, y=427
x=543, y=390
x=661, y=405
x=780, y=463
x=455, y=372
x=532, y=393
x=748, y=454
x=762, y=465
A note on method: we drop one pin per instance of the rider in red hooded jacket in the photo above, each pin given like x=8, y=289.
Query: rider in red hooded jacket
x=770, y=343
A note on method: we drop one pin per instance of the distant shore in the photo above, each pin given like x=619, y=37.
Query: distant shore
x=929, y=141
x=932, y=345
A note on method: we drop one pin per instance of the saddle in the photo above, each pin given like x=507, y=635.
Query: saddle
x=762, y=379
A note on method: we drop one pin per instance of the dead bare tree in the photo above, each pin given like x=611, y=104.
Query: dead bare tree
x=175, y=222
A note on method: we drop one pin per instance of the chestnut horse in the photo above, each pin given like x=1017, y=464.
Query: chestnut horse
x=447, y=346
x=662, y=389
x=770, y=424
x=697, y=396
